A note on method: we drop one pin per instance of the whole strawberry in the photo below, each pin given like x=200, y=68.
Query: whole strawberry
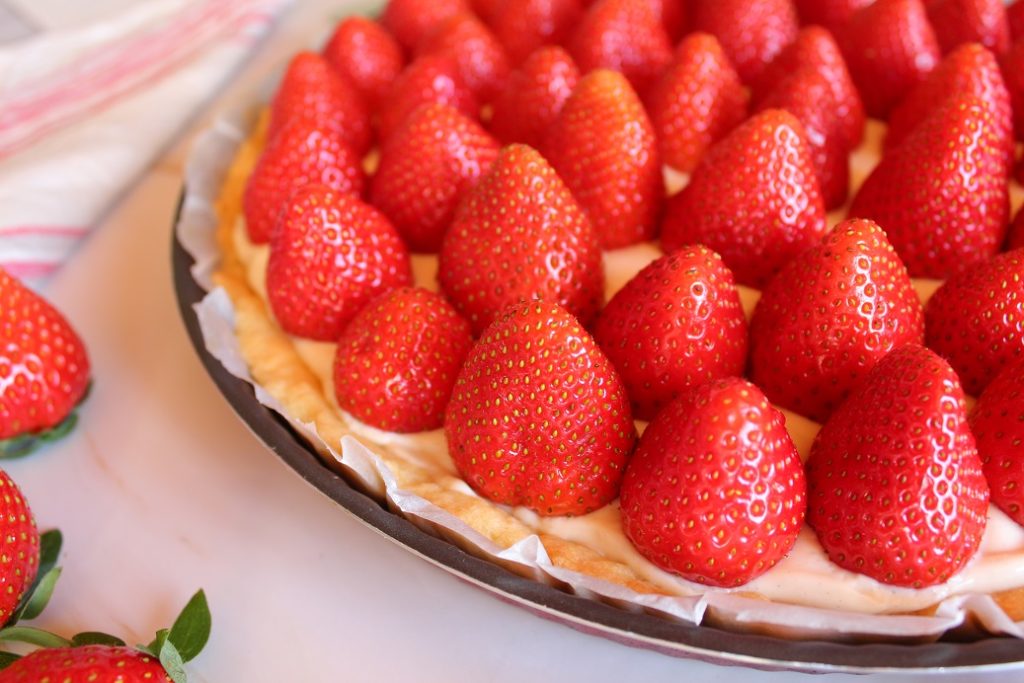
x=44, y=370
x=19, y=546
x=895, y=488
x=815, y=48
x=715, y=491
x=302, y=153
x=367, y=55
x=538, y=416
x=754, y=199
x=525, y=26
x=313, y=91
x=604, y=148
x=752, y=32
x=942, y=194
x=521, y=235
x=889, y=47
x=397, y=360
x=624, y=36
x=329, y=256
x=409, y=21
x=828, y=316
x=481, y=59
x=431, y=79
x=697, y=100
x=976, y=319
x=831, y=14
x=969, y=69
x=998, y=426
x=957, y=22
x=430, y=162
x=678, y=323
x=534, y=96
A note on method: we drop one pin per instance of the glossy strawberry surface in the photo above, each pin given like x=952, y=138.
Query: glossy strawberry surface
x=895, y=487
x=998, y=425
x=538, y=417
x=44, y=367
x=604, y=148
x=942, y=194
x=525, y=26
x=715, y=491
x=313, y=91
x=367, y=55
x=521, y=235
x=427, y=165
x=19, y=547
x=86, y=664
x=678, y=323
x=409, y=21
x=300, y=154
x=754, y=199
x=957, y=22
x=697, y=100
x=481, y=59
x=397, y=360
x=329, y=256
x=830, y=14
x=1012, y=64
x=752, y=32
x=976, y=319
x=828, y=316
x=534, y=96
x=430, y=79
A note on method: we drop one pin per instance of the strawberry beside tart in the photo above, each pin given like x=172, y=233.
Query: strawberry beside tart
x=482, y=328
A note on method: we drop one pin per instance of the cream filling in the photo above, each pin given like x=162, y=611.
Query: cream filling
x=805, y=576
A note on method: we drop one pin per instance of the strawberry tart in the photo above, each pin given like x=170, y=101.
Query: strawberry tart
x=640, y=286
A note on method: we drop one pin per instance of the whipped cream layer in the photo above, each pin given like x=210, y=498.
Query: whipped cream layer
x=806, y=576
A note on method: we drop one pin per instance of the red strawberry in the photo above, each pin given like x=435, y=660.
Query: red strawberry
x=828, y=316
x=832, y=14
x=815, y=48
x=715, y=491
x=409, y=21
x=895, y=489
x=525, y=26
x=312, y=91
x=302, y=153
x=678, y=323
x=673, y=17
x=1012, y=64
x=808, y=95
x=625, y=36
x=521, y=235
x=44, y=370
x=889, y=48
x=695, y=102
x=534, y=96
x=970, y=21
x=752, y=32
x=976, y=319
x=538, y=416
x=367, y=55
x=969, y=69
x=329, y=256
x=482, y=62
x=1015, y=237
x=430, y=162
x=998, y=426
x=19, y=540
x=603, y=147
x=100, y=663
x=941, y=196
x=431, y=79
x=1015, y=18
x=397, y=360
x=754, y=199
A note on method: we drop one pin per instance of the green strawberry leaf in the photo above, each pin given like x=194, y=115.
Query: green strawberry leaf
x=191, y=629
x=95, y=638
x=8, y=658
x=173, y=663
x=158, y=642
x=33, y=636
x=38, y=594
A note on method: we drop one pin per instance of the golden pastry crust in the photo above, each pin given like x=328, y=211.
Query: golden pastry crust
x=277, y=366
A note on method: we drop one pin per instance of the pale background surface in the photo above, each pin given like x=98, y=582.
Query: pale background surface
x=162, y=490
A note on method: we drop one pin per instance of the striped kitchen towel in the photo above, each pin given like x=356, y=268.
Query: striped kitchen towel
x=84, y=111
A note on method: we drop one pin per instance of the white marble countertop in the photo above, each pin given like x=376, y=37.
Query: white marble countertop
x=162, y=490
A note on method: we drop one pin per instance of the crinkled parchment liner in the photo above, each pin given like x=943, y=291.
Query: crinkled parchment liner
x=530, y=555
